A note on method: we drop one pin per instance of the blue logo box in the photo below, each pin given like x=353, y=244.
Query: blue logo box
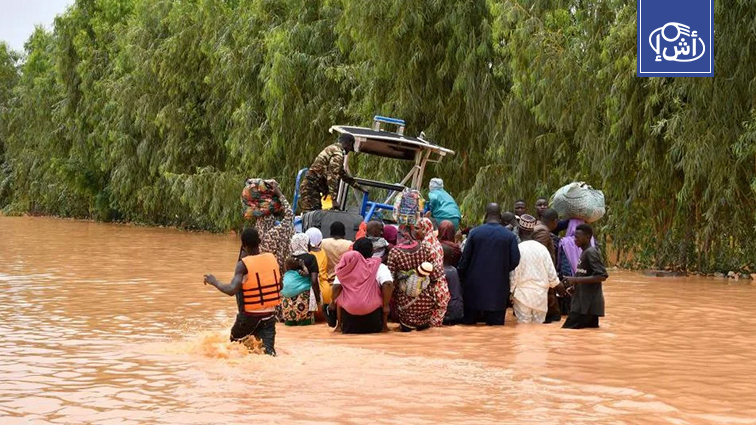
x=675, y=38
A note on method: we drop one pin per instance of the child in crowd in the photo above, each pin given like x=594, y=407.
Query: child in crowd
x=296, y=299
x=455, y=309
x=586, y=289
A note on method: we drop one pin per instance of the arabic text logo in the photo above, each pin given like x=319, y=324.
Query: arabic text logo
x=689, y=45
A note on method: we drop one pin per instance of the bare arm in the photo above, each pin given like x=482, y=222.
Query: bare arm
x=598, y=275
x=586, y=279
x=314, y=273
x=335, y=292
x=315, y=281
x=388, y=290
x=236, y=282
x=275, y=238
x=287, y=222
x=553, y=277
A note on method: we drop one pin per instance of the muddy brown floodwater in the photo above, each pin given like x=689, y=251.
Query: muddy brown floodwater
x=111, y=324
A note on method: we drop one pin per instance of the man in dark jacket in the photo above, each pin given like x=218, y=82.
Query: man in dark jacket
x=490, y=254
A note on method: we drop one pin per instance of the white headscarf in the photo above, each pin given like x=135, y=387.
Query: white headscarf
x=300, y=244
x=315, y=235
x=435, y=184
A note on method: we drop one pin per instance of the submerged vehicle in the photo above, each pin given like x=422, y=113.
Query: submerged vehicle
x=380, y=142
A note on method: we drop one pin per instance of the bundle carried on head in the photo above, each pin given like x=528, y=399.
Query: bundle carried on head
x=408, y=207
x=259, y=199
x=579, y=200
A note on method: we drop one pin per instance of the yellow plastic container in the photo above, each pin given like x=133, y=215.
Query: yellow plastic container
x=326, y=202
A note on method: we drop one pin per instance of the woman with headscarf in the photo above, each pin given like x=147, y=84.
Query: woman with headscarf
x=446, y=236
x=316, y=240
x=390, y=233
x=276, y=231
x=441, y=204
x=572, y=252
x=418, y=310
x=425, y=231
x=293, y=307
x=362, y=290
x=296, y=294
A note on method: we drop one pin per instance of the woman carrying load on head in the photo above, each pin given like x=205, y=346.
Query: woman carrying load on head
x=425, y=232
x=418, y=299
x=276, y=231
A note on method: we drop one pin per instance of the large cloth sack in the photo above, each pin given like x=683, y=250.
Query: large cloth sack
x=259, y=200
x=579, y=200
x=408, y=207
x=322, y=219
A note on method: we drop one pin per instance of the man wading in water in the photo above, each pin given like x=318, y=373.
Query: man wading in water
x=588, y=296
x=490, y=255
x=257, y=287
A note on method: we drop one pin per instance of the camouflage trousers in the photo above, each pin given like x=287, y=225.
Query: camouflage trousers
x=309, y=194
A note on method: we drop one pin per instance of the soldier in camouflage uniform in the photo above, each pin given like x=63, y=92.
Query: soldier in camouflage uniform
x=324, y=175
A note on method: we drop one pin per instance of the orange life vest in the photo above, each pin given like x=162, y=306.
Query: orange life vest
x=261, y=289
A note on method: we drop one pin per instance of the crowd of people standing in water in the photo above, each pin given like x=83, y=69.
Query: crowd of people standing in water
x=428, y=274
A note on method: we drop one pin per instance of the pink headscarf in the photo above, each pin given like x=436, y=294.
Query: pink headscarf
x=390, y=233
x=360, y=293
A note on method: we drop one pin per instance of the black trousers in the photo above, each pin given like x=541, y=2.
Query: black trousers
x=330, y=315
x=491, y=318
x=260, y=326
x=581, y=321
x=370, y=323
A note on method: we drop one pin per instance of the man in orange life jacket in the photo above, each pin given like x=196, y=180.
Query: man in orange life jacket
x=257, y=287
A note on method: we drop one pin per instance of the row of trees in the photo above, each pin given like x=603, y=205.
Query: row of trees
x=156, y=110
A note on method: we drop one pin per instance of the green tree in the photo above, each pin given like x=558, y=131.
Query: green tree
x=155, y=111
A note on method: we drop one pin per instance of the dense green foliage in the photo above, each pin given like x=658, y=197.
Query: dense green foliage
x=155, y=110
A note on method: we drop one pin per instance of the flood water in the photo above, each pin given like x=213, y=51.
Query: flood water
x=111, y=324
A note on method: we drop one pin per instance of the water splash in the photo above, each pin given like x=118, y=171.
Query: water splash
x=214, y=344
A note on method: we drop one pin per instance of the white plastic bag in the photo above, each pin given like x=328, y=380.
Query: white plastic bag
x=579, y=200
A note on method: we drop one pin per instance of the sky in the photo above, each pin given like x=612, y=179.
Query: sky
x=18, y=18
